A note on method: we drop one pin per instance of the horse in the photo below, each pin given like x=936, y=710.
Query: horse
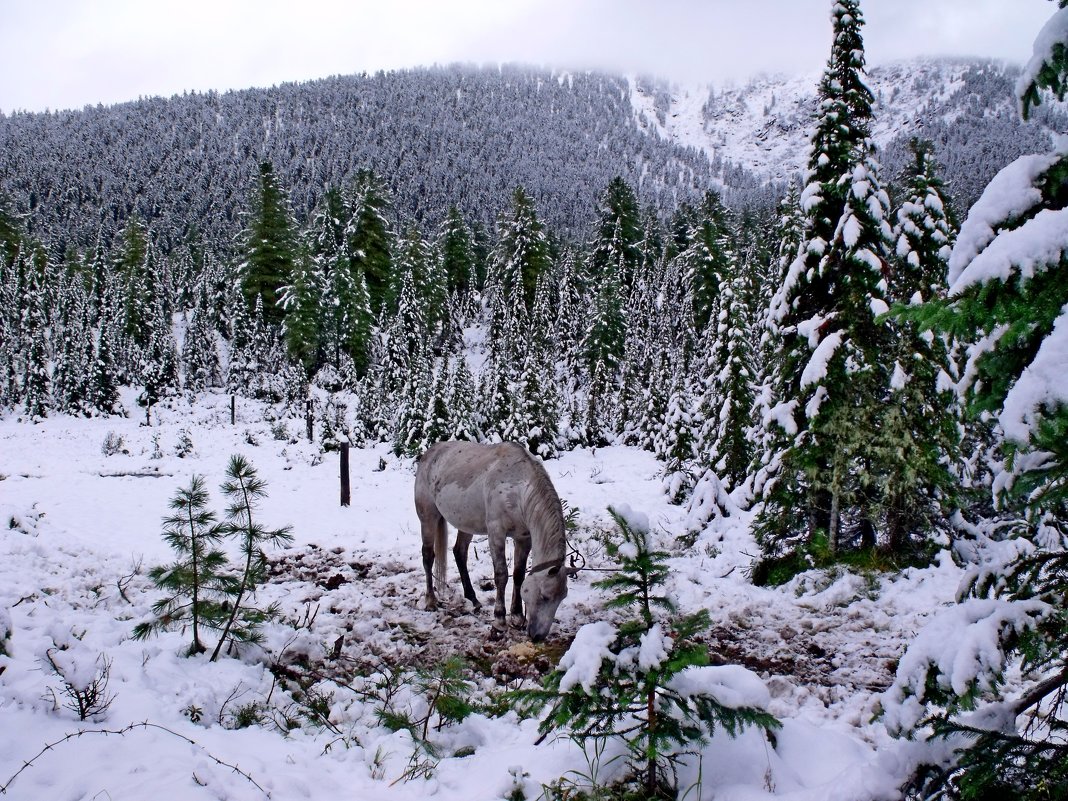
x=499, y=491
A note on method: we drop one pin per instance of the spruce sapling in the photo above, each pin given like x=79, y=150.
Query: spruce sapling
x=243, y=488
x=198, y=585
x=646, y=681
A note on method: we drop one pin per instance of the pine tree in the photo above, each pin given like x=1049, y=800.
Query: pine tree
x=919, y=431
x=200, y=356
x=36, y=385
x=830, y=374
x=199, y=585
x=1008, y=298
x=269, y=248
x=652, y=689
x=243, y=489
x=369, y=238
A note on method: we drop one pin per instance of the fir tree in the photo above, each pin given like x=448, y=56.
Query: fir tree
x=830, y=373
x=36, y=385
x=616, y=248
x=458, y=256
x=270, y=249
x=522, y=253
x=1008, y=298
x=200, y=356
x=723, y=446
x=159, y=372
x=919, y=432
x=652, y=688
x=369, y=237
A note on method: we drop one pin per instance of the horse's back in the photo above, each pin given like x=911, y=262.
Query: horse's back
x=469, y=483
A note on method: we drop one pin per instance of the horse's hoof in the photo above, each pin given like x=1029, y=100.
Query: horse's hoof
x=518, y=621
x=430, y=605
x=495, y=634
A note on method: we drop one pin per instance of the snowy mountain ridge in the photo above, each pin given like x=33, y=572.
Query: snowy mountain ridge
x=764, y=125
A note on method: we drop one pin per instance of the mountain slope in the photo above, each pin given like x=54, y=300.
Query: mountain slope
x=966, y=107
x=467, y=136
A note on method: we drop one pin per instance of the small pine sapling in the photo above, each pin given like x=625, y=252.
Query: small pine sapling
x=198, y=585
x=647, y=681
x=244, y=488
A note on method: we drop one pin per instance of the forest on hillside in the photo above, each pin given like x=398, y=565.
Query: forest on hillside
x=873, y=372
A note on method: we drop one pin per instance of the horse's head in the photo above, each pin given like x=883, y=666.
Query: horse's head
x=543, y=590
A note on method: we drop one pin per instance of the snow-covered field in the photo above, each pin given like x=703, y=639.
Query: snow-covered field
x=79, y=531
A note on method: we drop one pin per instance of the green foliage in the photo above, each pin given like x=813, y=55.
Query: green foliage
x=199, y=586
x=270, y=246
x=243, y=489
x=636, y=696
x=1052, y=75
x=816, y=554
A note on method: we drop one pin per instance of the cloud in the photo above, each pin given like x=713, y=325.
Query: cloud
x=67, y=53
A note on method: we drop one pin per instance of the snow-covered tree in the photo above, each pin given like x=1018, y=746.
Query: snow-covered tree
x=1008, y=298
x=830, y=376
x=919, y=431
x=270, y=247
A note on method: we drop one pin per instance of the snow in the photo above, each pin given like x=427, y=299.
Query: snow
x=653, y=648
x=1039, y=243
x=816, y=369
x=79, y=530
x=964, y=644
x=732, y=686
x=1010, y=194
x=1053, y=33
x=583, y=659
x=1042, y=384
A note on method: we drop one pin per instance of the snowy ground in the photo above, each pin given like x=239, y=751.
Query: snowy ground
x=79, y=530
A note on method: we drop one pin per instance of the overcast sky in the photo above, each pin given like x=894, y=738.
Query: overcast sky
x=69, y=53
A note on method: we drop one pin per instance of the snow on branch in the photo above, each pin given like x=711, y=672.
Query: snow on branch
x=1043, y=383
x=1035, y=246
x=1011, y=194
x=960, y=652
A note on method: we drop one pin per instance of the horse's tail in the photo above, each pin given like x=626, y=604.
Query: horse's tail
x=441, y=553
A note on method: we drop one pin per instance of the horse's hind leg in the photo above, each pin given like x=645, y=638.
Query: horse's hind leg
x=431, y=525
x=459, y=551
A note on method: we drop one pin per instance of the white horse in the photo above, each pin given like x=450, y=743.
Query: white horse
x=498, y=491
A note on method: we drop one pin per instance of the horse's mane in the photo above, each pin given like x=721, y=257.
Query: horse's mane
x=542, y=509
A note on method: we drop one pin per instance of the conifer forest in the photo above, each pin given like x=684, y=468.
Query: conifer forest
x=805, y=402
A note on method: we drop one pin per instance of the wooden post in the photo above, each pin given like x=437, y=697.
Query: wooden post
x=311, y=407
x=345, y=497
x=233, y=410
x=148, y=414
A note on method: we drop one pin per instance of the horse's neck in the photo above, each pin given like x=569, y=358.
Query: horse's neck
x=547, y=540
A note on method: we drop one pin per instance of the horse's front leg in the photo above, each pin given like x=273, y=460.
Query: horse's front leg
x=500, y=578
x=519, y=572
x=459, y=550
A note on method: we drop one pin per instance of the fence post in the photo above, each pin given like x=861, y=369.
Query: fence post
x=233, y=410
x=311, y=406
x=345, y=497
